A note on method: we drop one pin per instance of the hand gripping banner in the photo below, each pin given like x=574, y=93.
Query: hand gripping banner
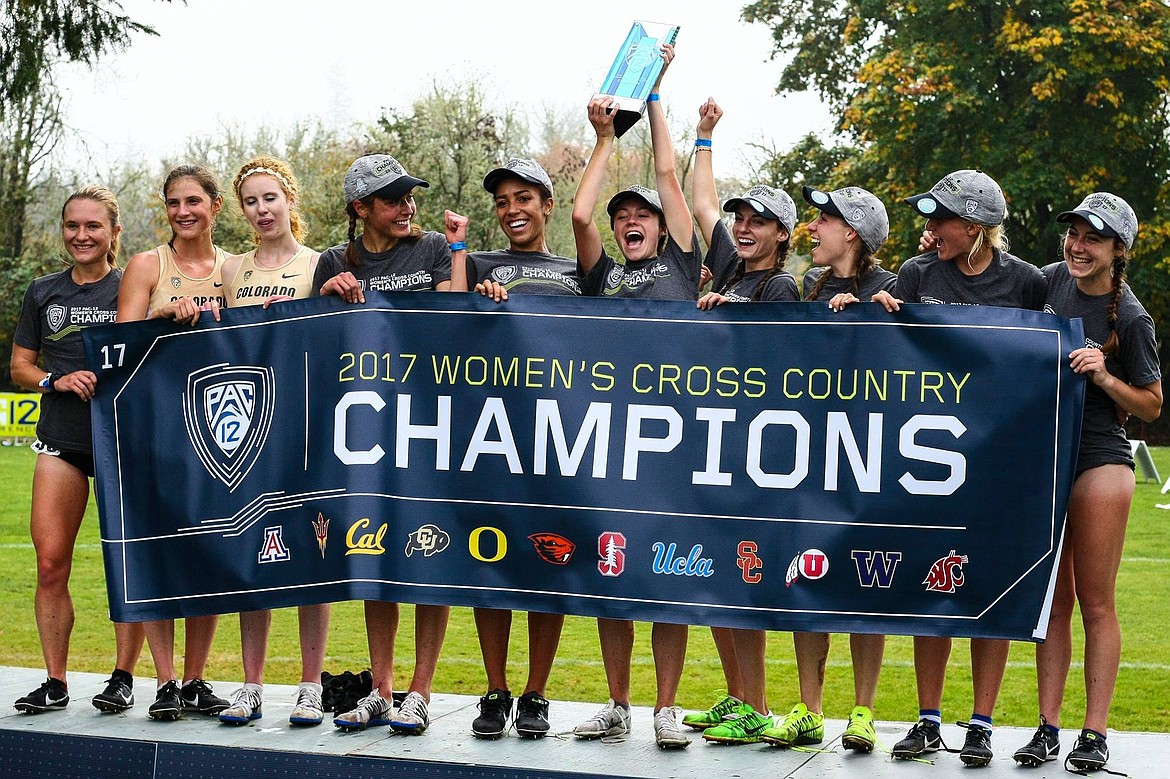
x=766, y=465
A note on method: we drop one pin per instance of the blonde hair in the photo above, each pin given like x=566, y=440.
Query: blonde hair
x=104, y=197
x=992, y=236
x=279, y=170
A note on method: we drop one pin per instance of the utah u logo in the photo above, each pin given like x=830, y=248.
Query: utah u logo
x=876, y=568
x=228, y=412
x=273, y=549
x=611, y=549
x=946, y=575
x=748, y=561
x=811, y=564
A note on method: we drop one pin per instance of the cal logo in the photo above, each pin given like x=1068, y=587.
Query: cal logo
x=810, y=564
x=748, y=560
x=321, y=532
x=553, y=548
x=56, y=317
x=946, y=575
x=428, y=539
x=504, y=273
x=611, y=547
x=876, y=569
x=359, y=542
x=228, y=413
x=273, y=550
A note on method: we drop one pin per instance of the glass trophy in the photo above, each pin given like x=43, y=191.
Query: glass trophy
x=634, y=71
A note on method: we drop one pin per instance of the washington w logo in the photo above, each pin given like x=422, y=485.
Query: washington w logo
x=228, y=412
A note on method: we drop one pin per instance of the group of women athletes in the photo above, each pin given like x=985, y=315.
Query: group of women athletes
x=964, y=260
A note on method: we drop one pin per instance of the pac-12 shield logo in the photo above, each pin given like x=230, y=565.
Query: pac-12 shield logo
x=946, y=575
x=228, y=412
x=56, y=317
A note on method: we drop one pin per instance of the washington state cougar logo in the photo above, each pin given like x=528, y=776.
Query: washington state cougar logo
x=946, y=575
x=611, y=549
x=228, y=412
x=552, y=548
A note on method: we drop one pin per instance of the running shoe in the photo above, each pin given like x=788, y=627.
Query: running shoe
x=1090, y=754
x=370, y=710
x=531, y=715
x=168, y=702
x=611, y=720
x=245, y=706
x=924, y=737
x=50, y=696
x=976, y=749
x=308, y=709
x=701, y=720
x=412, y=718
x=198, y=697
x=667, y=733
x=859, y=734
x=495, y=709
x=118, y=695
x=1044, y=746
x=798, y=727
x=746, y=726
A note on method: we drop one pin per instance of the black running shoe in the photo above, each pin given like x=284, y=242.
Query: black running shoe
x=198, y=697
x=532, y=715
x=976, y=749
x=495, y=709
x=50, y=696
x=118, y=695
x=924, y=736
x=1090, y=754
x=1044, y=746
x=168, y=702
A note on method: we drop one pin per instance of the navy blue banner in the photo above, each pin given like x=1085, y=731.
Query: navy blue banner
x=767, y=465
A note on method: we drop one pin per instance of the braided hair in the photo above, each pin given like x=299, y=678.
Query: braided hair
x=1120, y=260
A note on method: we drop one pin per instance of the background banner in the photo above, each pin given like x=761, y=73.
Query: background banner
x=766, y=465
x=19, y=414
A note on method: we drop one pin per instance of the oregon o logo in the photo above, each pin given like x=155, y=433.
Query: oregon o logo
x=475, y=546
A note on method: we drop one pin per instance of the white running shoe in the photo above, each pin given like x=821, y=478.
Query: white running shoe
x=308, y=709
x=412, y=717
x=667, y=733
x=610, y=720
x=245, y=706
x=370, y=710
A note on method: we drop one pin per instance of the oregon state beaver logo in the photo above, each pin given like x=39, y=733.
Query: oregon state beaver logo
x=553, y=548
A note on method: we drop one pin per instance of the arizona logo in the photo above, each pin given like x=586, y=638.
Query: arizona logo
x=748, y=560
x=611, y=547
x=946, y=575
x=552, y=548
x=811, y=564
x=428, y=539
x=273, y=549
x=228, y=412
x=321, y=531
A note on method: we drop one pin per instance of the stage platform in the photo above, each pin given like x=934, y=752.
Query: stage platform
x=80, y=741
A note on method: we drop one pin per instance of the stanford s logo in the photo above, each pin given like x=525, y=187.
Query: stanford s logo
x=946, y=575
x=552, y=548
x=228, y=412
x=611, y=549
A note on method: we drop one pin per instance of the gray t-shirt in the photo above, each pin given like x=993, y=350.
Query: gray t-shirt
x=1135, y=361
x=1008, y=282
x=723, y=260
x=55, y=311
x=672, y=275
x=877, y=279
x=411, y=265
x=530, y=273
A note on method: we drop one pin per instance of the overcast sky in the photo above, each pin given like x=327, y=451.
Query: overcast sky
x=220, y=63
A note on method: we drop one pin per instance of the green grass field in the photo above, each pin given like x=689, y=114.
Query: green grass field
x=1142, y=701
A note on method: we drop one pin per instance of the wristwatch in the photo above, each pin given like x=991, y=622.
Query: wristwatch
x=47, y=382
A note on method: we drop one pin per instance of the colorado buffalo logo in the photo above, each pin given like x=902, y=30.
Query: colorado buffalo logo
x=552, y=548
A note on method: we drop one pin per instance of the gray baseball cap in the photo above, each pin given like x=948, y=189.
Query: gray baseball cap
x=768, y=202
x=966, y=194
x=518, y=168
x=378, y=174
x=635, y=192
x=1108, y=214
x=860, y=209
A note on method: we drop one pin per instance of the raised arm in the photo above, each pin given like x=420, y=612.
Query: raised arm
x=704, y=197
x=674, y=203
x=585, y=232
x=455, y=230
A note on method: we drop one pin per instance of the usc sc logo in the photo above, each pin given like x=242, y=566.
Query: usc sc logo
x=475, y=544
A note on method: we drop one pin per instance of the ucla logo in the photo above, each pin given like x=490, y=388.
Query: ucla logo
x=946, y=575
x=273, y=549
x=228, y=413
x=693, y=564
x=365, y=543
x=428, y=539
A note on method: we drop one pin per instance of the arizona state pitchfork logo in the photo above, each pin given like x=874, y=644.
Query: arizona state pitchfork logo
x=228, y=412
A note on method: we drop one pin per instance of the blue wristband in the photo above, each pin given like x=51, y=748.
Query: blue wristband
x=702, y=143
x=652, y=98
x=458, y=246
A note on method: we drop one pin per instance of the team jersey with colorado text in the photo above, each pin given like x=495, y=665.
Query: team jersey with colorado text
x=253, y=285
x=173, y=284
